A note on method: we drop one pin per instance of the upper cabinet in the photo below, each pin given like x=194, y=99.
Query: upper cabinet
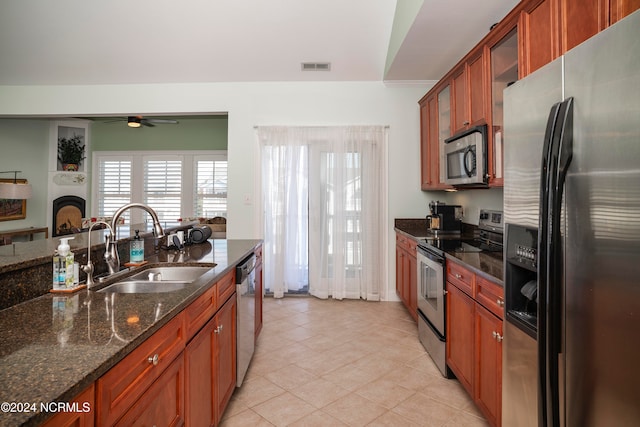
x=504, y=71
x=533, y=34
x=618, y=9
x=580, y=21
x=539, y=38
x=468, y=93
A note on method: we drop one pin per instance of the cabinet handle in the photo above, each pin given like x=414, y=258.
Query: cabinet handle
x=466, y=123
x=154, y=359
x=499, y=337
x=458, y=276
x=495, y=334
x=500, y=302
x=218, y=329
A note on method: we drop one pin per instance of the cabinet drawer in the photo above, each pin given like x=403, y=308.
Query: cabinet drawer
x=461, y=277
x=122, y=385
x=490, y=295
x=200, y=311
x=163, y=402
x=406, y=243
x=226, y=287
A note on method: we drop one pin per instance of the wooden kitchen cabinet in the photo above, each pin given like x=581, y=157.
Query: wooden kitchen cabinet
x=430, y=145
x=540, y=38
x=127, y=382
x=163, y=403
x=199, y=389
x=580, y=20
x=460, y=96
x=460, y=336
x=407, y=274
x=488, y=356
x=503, y=59
x=477, y=88
x=475, y=309
x=618, y=9
x=225, y=355
x=210, y=368
x=76, y=419
x=468, y=87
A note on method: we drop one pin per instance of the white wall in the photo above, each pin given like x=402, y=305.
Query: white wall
x=253, y=104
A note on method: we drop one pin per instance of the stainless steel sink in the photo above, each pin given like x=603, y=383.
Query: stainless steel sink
x=169, y=274
x=157, y=279
x=144, y=287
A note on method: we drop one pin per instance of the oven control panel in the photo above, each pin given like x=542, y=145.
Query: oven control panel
x=491, y=221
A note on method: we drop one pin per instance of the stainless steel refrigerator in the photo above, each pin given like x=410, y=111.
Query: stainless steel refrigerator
x=571, y=351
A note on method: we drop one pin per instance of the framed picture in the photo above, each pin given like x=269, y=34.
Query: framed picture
x=11, y=209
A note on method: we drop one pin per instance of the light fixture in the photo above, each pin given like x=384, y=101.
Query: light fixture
x=133, y=122
x=15, y=190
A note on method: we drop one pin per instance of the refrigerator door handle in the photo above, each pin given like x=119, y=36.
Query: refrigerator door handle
x=559, y=160
x=542, y=260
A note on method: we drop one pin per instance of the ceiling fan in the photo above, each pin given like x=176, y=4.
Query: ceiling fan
x=137, y=121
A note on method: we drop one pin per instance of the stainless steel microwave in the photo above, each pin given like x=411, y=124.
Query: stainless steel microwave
x=466, y=158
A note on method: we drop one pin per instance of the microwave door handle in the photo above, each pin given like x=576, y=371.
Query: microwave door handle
x=469, y=169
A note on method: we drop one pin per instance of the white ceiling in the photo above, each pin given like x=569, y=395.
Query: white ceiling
x=167, y=41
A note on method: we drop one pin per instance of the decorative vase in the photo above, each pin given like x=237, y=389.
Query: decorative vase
x=70, y=167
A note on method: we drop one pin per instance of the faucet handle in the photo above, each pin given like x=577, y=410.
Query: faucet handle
x=88, y=268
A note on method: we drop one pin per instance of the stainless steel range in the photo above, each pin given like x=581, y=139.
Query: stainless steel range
x=431, y=280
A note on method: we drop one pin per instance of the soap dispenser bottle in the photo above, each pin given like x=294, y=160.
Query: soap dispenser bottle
x=63, y=265
x=136, y=251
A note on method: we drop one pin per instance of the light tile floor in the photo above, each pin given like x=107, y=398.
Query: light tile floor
x=344, y=363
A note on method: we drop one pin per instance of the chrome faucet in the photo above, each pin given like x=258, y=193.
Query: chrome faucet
x=88, y=267
x=111, y=253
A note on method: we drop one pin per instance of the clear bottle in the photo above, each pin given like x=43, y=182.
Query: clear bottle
x=63, y=260
x=57, y=268
x=136, y=249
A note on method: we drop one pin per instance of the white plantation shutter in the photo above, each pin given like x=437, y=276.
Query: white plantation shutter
x=176, y=184
x=163, y=188
x=210, y=198
x=114, y=185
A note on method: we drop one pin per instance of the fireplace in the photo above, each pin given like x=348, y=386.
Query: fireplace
x=68, y=212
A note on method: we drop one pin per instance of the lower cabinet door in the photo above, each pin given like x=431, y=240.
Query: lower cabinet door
x=199, y=385
x=460, y=336
x=162, y=405
x=225, y=360
x=76, y=419
x=488, y=381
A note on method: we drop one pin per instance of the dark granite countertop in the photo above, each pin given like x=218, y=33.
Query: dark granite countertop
x=54, y=346
x=486, y=264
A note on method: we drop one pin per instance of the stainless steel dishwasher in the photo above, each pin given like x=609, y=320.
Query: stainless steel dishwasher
x=245, y=315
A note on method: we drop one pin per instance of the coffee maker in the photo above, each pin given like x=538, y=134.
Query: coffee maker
x=444, y=219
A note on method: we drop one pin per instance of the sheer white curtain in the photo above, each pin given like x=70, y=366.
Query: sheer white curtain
x=285, y=195
x=341, y=225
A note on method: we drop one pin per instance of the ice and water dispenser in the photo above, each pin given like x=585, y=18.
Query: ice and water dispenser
x=521, y=278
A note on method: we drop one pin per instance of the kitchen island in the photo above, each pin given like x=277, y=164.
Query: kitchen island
x=55, y=346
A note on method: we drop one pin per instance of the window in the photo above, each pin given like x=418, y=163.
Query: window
x=175, y=184
x=211, y=188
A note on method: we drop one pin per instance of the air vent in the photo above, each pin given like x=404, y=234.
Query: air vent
x=316, y=66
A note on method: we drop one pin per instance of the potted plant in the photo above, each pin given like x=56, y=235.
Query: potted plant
x=71, y=152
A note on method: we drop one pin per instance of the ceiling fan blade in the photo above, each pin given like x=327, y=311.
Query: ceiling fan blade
x=162, y=121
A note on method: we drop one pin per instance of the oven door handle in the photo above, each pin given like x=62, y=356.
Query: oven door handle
x=431, y=256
